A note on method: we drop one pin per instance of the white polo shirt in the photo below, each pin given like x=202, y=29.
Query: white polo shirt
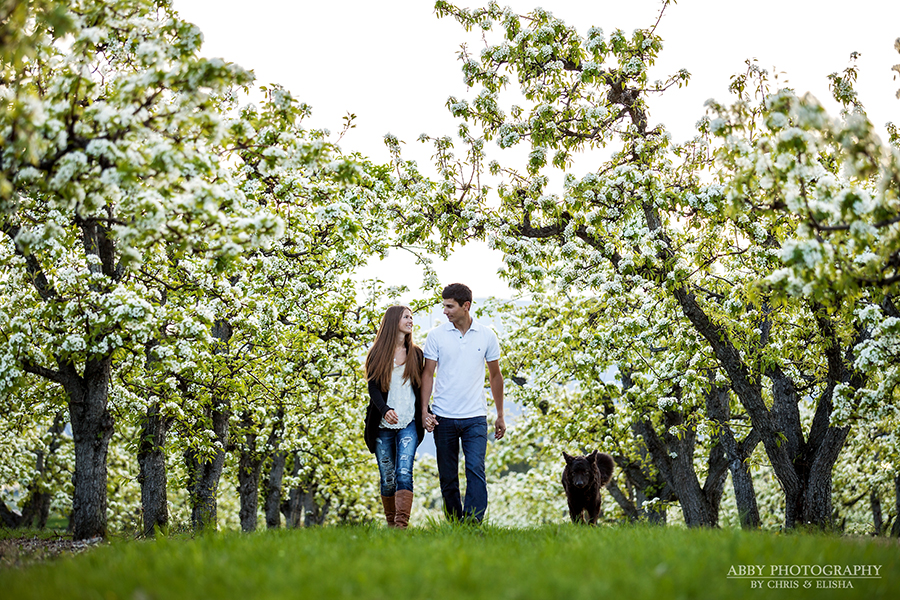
x=459, y=382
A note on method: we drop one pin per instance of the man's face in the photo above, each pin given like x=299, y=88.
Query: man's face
x=454, y=312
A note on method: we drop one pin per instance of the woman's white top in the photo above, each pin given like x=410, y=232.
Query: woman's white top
x=401, y=398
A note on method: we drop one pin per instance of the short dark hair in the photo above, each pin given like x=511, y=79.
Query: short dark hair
x=459, y=292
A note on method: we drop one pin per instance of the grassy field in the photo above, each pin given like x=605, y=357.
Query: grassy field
x=462, y=562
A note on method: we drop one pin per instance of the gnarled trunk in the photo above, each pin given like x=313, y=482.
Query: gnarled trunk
x=291, y=507
x=92, y=428
x=817, y=507
x=877, y=517
x=895, y=529
x=736, y=453
x=152, y=477
x=313, y=514
x=674, y=457
x=36, y=509
x=273, y=490
x=301, y=508
x=641, y=487
x=803, y=467
x=742, y=483
x=249, y=469
x=88, y=393
x=205, y=472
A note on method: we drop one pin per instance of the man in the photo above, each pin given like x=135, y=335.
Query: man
x=459, y=351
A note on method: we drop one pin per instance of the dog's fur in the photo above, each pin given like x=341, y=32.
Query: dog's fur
x=582, y=479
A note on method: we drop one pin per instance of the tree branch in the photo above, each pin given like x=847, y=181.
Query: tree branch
x=44, y=372
x=36, y=273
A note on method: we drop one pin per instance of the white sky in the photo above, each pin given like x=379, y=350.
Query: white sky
x=393, y=64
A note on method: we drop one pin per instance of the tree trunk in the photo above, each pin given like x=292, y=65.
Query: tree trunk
x=750, y=394
x=817, y=506
x=640, y=487
x=313, y=513
x=877, y=517
x=273, y=490
x=717, y=462
x=673, y=455
x=36, y=509
x=627, y=505
x=249, y=469
x=714, y=486
x=803, y=468
x=205, y=472
x=895, y=529
x=654, y=513
x=87, y=394
x=92, y=428
x=152, y=477
x=736, y=454
x=301, y=509
x=744, y=492
x=292, y=508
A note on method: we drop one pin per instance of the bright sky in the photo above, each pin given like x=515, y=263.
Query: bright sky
x=394, y=64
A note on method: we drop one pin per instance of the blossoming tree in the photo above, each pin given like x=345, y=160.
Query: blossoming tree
x=117, y=174
x=699, y=230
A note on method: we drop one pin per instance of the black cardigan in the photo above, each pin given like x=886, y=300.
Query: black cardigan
x=378, y=407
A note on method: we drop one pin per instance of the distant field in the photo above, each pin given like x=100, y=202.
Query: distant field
x=564, y=562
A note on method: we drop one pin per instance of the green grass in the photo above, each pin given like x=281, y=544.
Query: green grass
x=454, y=562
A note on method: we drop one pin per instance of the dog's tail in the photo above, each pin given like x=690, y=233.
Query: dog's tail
x=605, y=465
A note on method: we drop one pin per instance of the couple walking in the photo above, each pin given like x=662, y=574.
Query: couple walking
x=401, y=379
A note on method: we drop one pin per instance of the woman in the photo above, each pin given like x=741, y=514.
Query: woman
x=393, y=420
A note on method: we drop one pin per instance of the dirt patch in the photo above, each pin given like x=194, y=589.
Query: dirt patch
x=26, y=551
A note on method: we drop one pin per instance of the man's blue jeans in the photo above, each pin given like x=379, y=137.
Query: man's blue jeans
x=472, y=433
x=395, y=450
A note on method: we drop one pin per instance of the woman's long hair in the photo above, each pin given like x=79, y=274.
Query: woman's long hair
x=380, y=359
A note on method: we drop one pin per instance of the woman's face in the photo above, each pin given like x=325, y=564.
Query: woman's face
x=406, y=321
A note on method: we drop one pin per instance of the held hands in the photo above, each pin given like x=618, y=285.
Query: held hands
x=429, y=421
x=391, y=417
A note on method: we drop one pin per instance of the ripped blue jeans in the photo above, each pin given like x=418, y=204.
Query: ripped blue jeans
x=395, y=450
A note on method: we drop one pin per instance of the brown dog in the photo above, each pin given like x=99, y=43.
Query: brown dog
x=582, y=479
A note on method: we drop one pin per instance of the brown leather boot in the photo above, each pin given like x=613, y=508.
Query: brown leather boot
x=389, y=509
x=404, y=499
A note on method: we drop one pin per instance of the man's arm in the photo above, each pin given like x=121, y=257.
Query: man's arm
x=496, y=380
x=428, y=419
